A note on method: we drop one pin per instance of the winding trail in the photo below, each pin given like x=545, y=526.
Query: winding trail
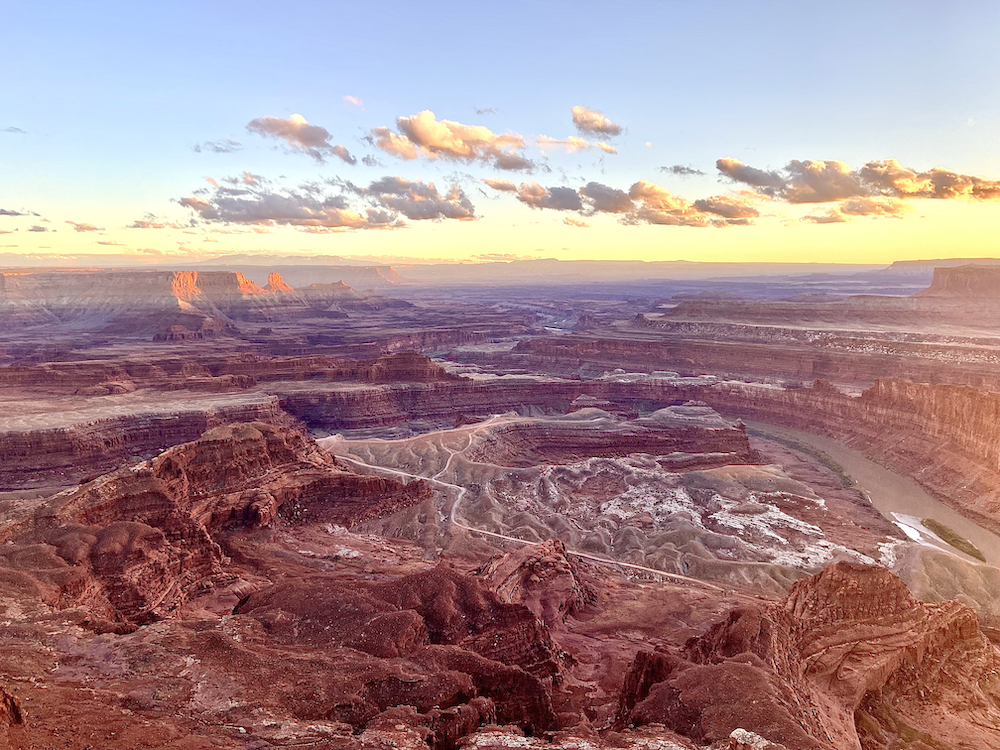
x=460, y=493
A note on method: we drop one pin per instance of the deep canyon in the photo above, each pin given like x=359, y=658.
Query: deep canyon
x=251, y=508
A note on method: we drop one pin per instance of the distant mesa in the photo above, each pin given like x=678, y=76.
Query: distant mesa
x=297, y=274
x=927, y=267
x=176, y=305
x=973, y=280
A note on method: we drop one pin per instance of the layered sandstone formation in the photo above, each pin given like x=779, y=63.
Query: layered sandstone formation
x=943, y=436
x=542, y=578
x=58, y=445
x=138, y=542
x=435, y=640
x=591, y=434
x=44, y=451
x=740, y=351
x=849, y=659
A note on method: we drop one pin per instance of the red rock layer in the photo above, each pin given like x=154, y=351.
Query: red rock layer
x=62, y=455
x=847, y=660
x=59, y=456
x=140, y=541
x=542, y=578
x=723, y=351
x=530, y=444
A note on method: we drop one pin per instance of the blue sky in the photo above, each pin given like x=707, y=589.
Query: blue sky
x=112, y=98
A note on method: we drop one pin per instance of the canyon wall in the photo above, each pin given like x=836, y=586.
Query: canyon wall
x=944, y=436
x=761, y=353
x=65, y=455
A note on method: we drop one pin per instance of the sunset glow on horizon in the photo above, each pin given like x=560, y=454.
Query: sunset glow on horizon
x=658, y=131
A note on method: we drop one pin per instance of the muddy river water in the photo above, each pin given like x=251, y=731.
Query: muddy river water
x=898, y=498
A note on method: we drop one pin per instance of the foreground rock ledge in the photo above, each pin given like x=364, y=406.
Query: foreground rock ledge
x=849, y=659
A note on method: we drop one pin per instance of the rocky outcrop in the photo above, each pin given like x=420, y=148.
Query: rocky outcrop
x=849, y=659
x=404, y=367
x=324, y=296
x=203, y=329
x=592, y=433
x=143, y=539
x=10, y=709
x=542, y=578
x=357, y=407
x=462, y=646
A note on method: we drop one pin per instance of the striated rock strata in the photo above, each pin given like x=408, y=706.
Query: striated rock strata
x=53, y=456
x=542, y=578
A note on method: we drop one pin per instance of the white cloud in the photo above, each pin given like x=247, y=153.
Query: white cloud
x=593, y=122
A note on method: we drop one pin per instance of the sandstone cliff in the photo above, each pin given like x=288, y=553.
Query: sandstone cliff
x=962, y=282
x=51, y=456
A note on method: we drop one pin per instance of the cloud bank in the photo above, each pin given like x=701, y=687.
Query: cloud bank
x=644, y=203
x=383, y=204
x=824, y=181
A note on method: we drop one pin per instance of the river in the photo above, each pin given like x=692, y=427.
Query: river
x=896, y=497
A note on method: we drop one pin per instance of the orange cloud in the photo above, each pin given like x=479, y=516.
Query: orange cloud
x=502, y=185
x=423, y=134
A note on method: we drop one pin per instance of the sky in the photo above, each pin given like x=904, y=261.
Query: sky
x=714, y=131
